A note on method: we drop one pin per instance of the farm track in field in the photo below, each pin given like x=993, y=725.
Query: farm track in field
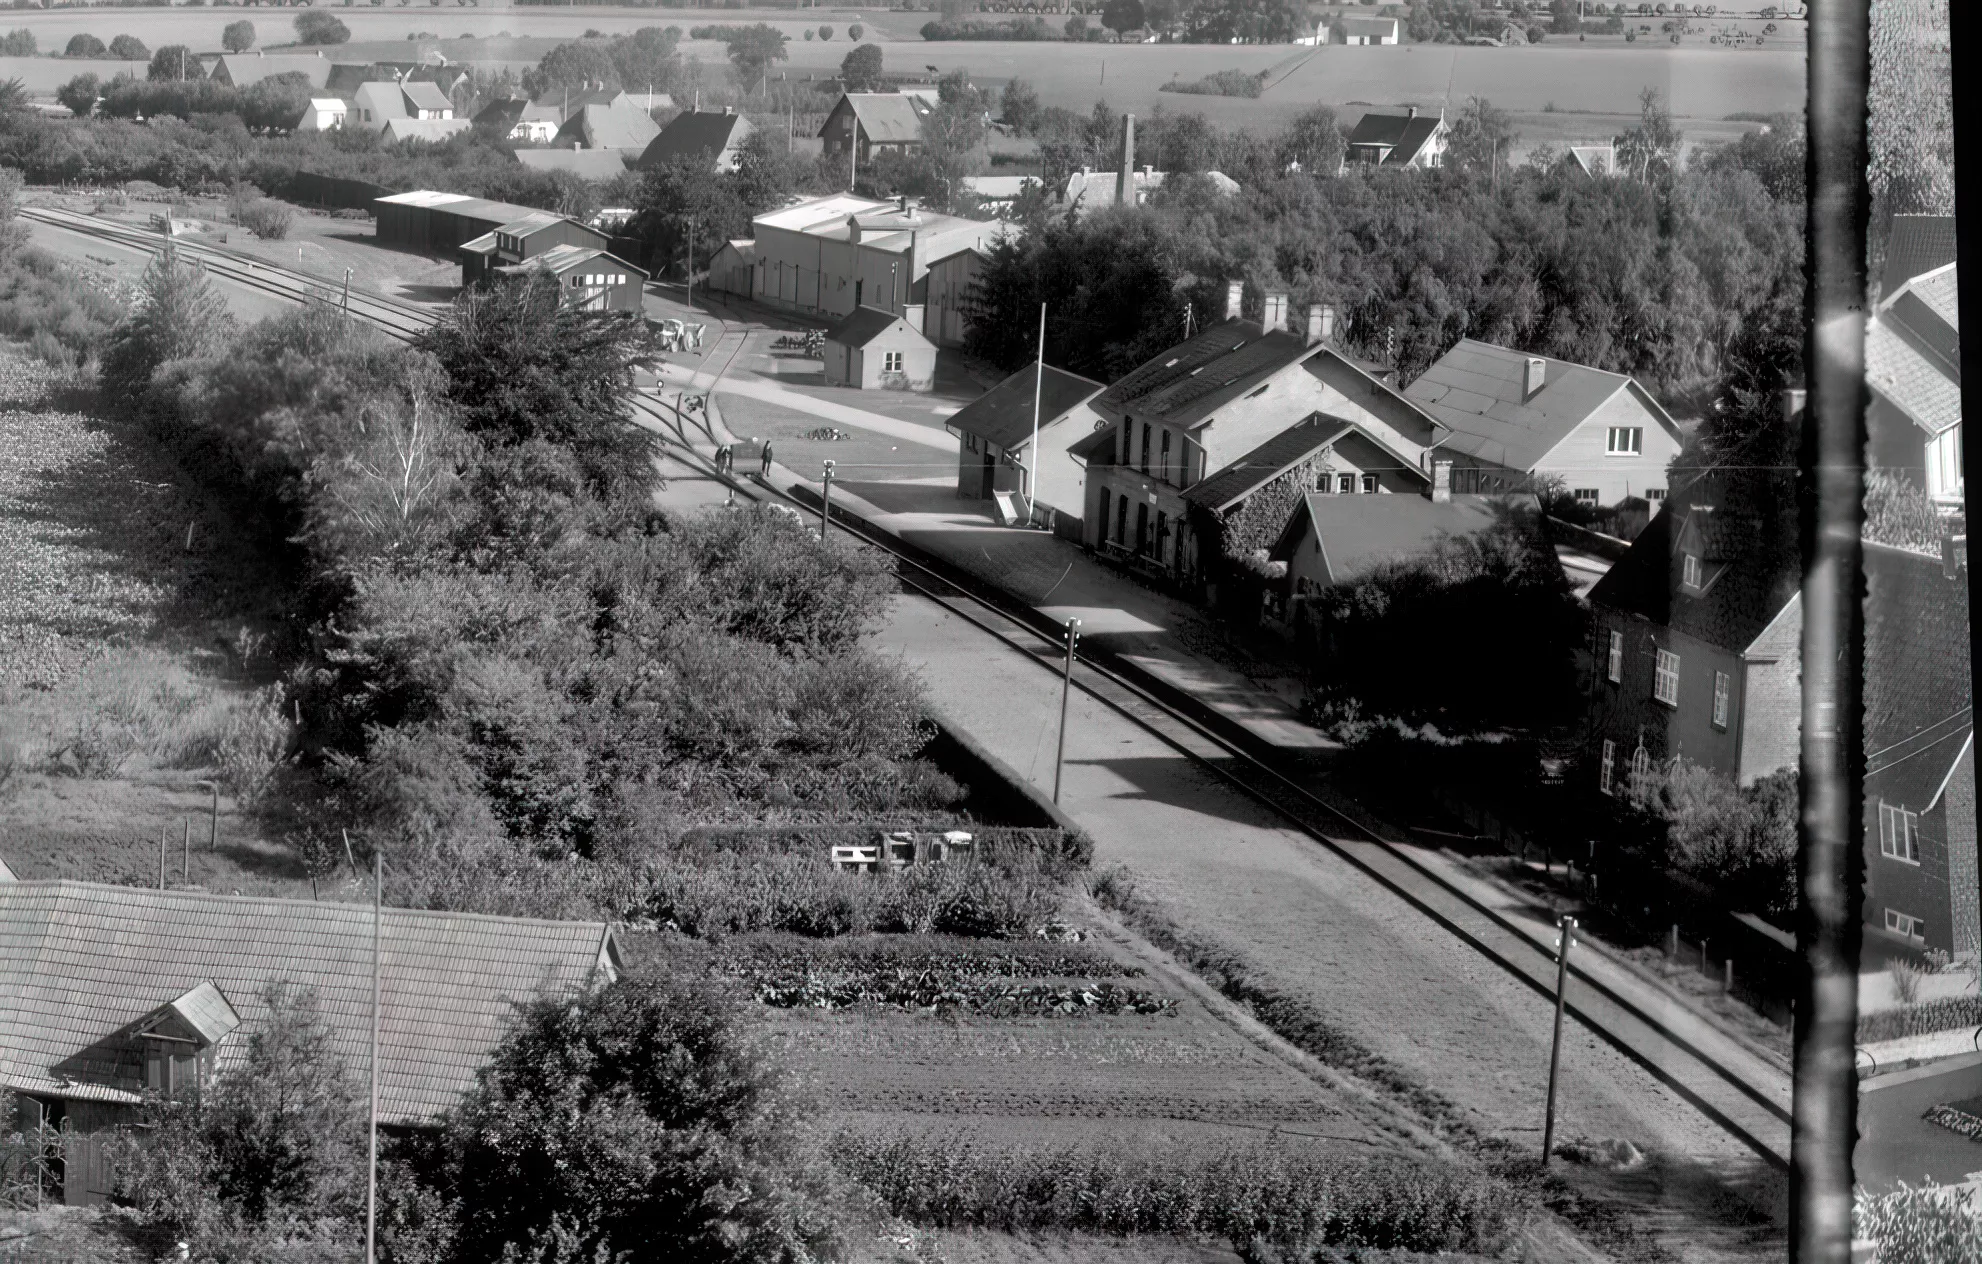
x=1755, y=1114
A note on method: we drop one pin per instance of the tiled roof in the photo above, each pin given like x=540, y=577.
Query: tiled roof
x=1376, y=28
x=245, y=69
x=1098, y=448
x=1003, y=414
x=1918, y=691
x=425, y=129
x=561, y=259
x=862, y=326
x=586, y=164
x=887, y=117
x=622, y=125
x=695, y=132
x=80, y=964
x=382, y=98
x=1189, y=381
x=425, y=95
x=508, y=112
x=1913, y=350
x=1359, y=533
x=206, y=1011
x=1475, y=389
x=1264, y=463
x=1746, y=528
x=1405, y=135
x=1917, y=244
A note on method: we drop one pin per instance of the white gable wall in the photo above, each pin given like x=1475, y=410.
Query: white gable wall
x=1583, y=460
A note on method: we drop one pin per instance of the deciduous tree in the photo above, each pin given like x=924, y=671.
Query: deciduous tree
x=238, y=37
x=860, y=70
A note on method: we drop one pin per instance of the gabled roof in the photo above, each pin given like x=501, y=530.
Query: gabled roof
x=1475, y=390
x=695, y=132
x=586, y=164
x=745, y=248
x=1003, y=414
x=82, y=965
x=1918, y=691
x=812, y=212
x=1276, y=456
x=864, y=325
x=425, y=129
x=1185, y=384
x=1595, y=160
x=244, y=69
x=1403, y=134
x=885, y=117
x=621, y=125
x=505, y=114
x=534, y=222
x=328, y=105
x=1359, y=533
x=601, y=96
x=203, y=1010
x=564, y=258
x=492, y=212
x=1917, y=244
x=381, y=96
x=1379, y=28
x=424, y=95
x=1745, y=526
x=1913, y=350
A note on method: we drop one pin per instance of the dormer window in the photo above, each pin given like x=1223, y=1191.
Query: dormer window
x=1691, y=573
x=180, y=1039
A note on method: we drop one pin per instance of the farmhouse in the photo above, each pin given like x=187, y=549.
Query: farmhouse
x=1360, y=30
x=527, y=236
x=243, y=70
x=714, y=137
x=873, y=349
x=1513, y=416
x=322, y=114
x=519, y=118
x=866, y=124
x=109, y=991
x=830, y=255
x=1698, y=631
x=1211, y=411
x=1913, y=365
x=1920, y=856
x=1398, y=140
x=375, y=105
x=996, y=429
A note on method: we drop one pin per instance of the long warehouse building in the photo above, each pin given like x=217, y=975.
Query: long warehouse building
x=440, y=223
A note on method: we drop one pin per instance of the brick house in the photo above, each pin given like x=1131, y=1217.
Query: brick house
x=1208, y=412
x=110, y=992
x=1514, y=416
x=1697, y=635
x=1921, y=881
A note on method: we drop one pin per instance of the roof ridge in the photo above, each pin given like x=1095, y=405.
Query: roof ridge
x=65, y=886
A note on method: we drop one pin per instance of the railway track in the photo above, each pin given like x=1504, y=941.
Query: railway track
x=1754, y=1109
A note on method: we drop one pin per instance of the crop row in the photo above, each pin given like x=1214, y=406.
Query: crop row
x=780, y=958
x=928, y=990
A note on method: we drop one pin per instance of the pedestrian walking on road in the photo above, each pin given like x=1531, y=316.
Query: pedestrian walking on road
x=767, y=461
x=725, y=457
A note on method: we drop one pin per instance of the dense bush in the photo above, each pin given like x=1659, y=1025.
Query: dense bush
x=1738, y=841
x=1289, y=1199
x=17, y=43
x=63, y=316
x=1011, y=29
x=1923, y=1019
x=266, y=218
x=81, y=45
x=1224, y=83
x=129, y=48
x=778, y=958
x=1927, y=1225
x=314, y=26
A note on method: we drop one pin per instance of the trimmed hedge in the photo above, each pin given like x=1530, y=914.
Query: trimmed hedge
x=1946, y=1014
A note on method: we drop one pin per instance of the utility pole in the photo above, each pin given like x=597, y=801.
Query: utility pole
x=1568, y=925
x=825, y=503
x=1032, y=454
x=186, y=851
x=372, y=1159
x=213, y=817
x=688, y=291
x=347, y=291
x=1066, y=687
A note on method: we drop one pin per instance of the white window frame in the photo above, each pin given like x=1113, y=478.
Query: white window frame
x=1606, y=770
x=1906, y=924
x=1899, y=833
x=1641, y=762
x=1369, y=485
x=1665, y=678
x=1691, y=573
x=1723, y=698
x=891, y=362
x=1655, y=494
x=1614, y=667
x=1588, y=495
x=1625, y=441
x=1345, y=484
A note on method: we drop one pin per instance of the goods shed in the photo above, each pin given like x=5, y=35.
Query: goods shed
x=440, y=223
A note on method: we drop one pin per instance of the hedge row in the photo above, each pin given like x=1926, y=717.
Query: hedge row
x=1946, y=1014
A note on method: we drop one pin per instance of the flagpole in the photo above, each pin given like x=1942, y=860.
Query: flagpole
x=1038, y=379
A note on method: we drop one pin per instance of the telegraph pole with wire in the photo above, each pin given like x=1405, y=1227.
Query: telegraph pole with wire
x=1066, y=687
x=1568, y=936
x=372, y=1158
x=825, y=503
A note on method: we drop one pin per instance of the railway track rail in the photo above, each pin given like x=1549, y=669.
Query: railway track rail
x=1754, y=1109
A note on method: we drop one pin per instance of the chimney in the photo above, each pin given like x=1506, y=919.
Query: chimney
x=1792, y=403
x=728, y=109
x=1532, y=376
x=1327, y=323
x=1125, y=180
x=1235, y=293
x=1274, y=313
x=1411, y=111
x=901, y=204
x=1441, y=482
x=1315, y=324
